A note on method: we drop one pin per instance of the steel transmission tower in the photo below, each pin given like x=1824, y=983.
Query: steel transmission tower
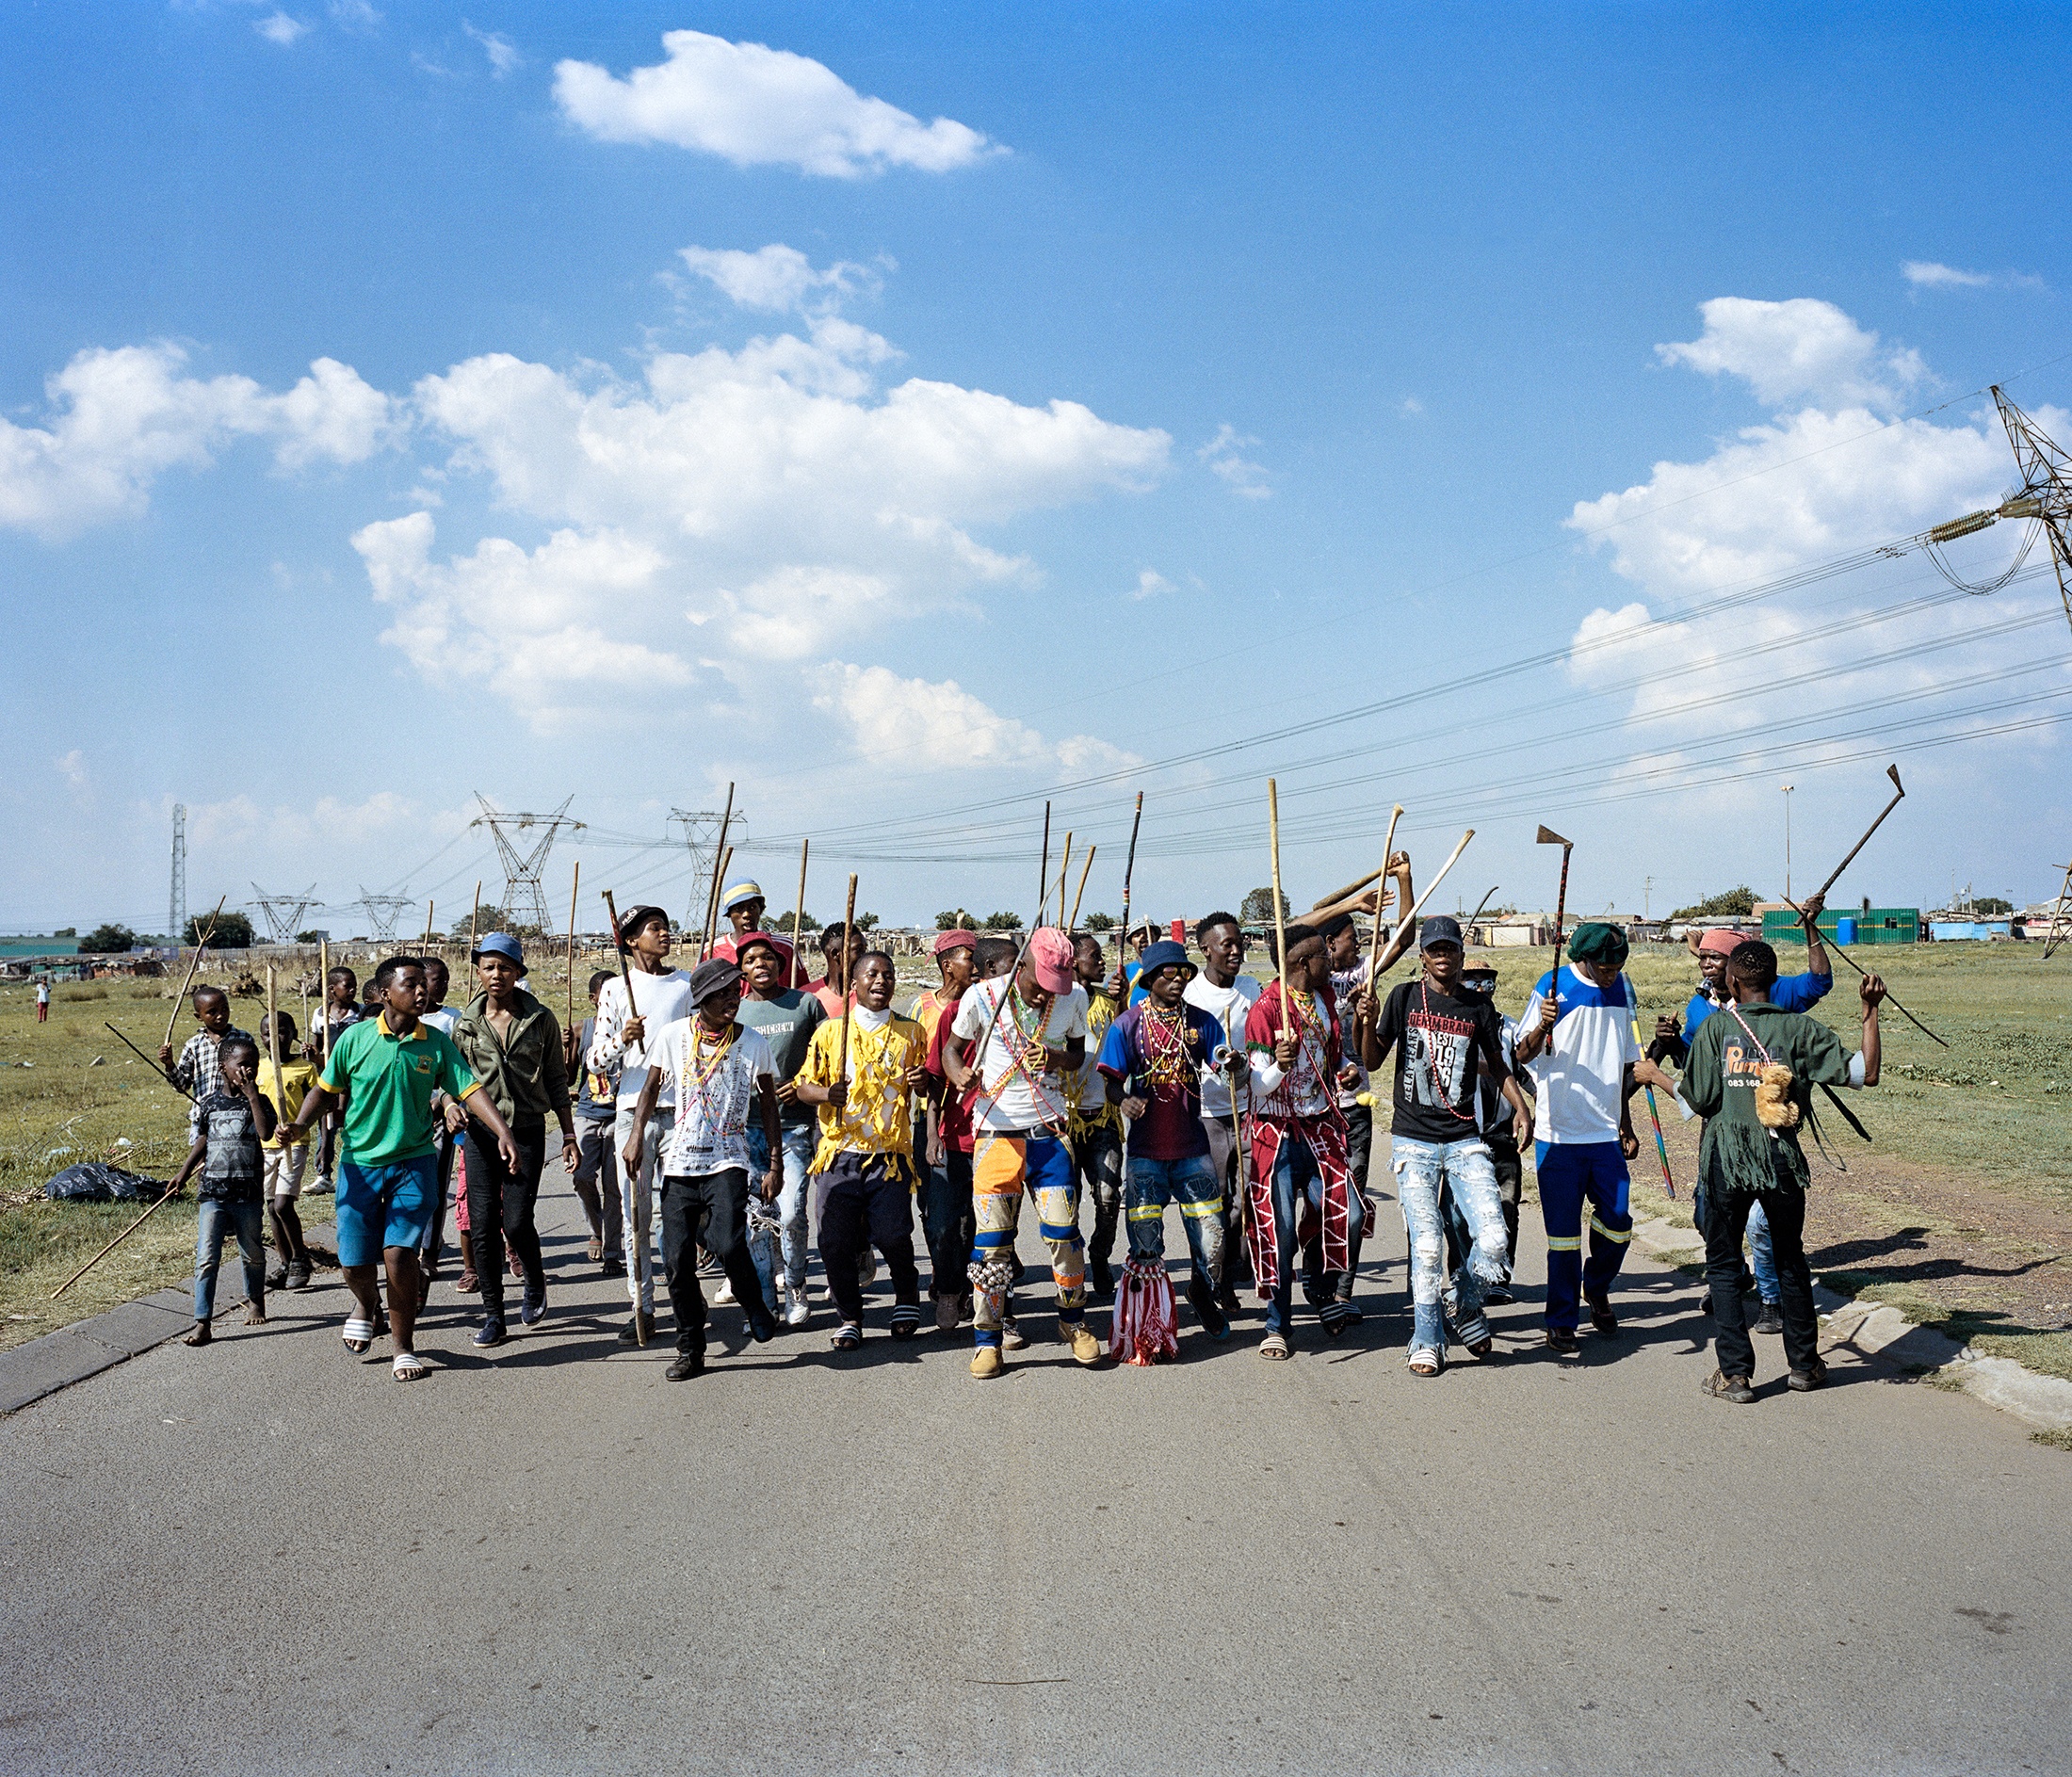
x=2045, y=496
x=176, y=904
x=701, y=834
x=524, y=898
x=283, y=912
x=381, y=910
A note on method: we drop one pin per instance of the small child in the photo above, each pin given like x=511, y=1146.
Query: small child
x=234, y=1120
x=198, y=1072
x=284, y=1088
x=341, y=1009
x=596, y=1175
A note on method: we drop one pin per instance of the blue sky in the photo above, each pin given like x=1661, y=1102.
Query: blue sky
x=938, y=408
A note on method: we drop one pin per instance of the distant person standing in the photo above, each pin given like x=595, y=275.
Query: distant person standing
x=42, y=1002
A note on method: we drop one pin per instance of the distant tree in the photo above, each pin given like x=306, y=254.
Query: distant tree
x=310, y=936
x=1257, y=907
x=1733, y=903
x=1983, y=904
x=66, y=932
x=806, y=923
x=866, y=922
x=107, y=940
x=1102, y=922
x=233, y=931
x=957, y=919
x=488, y=917
x=1003, y=922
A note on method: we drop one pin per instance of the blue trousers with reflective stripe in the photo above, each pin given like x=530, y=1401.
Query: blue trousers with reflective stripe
x=1571, y=1172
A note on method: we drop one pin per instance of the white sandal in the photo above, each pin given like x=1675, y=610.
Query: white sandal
x=359, y=1335
x=408, y=1368
x=1424, y=1361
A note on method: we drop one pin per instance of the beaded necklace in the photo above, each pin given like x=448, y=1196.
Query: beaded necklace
x=1165, y=1041
x=700, y=1070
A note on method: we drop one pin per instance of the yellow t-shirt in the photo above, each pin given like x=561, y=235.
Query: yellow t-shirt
x=287, y=1091
x=1086, y=1091
x=879, y=1117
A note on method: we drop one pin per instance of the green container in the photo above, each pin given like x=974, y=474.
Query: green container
x=1876, y=925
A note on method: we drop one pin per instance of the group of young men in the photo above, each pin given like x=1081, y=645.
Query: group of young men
x=733, y=1106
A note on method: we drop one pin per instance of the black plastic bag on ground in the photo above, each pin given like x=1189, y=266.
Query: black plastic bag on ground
x=97, y=1182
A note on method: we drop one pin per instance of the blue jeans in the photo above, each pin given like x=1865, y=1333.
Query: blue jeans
x=1762, y=1254
x=1194, y=1185
x=795, y=1142
x=1295, y=1179
x=1422, y=1168
x=218, y=1220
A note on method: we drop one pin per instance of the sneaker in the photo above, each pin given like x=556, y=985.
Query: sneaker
x=323, y=1187
x=298, y=1275
x=1806, y=1382
x=1010, y=1336
x=278, y=1280
x=1561, y=1340
x=532, y=1305
x=1226, y=1299
x=1769, y=1321
x=1086, y=1349
x=1214, y=1321
x=796, y=1311
x=1601, y=1316
x=985, y=1362
x=468, y=1284
x=946, y=1316
x=723, y=1296
x=688, y=1364
x=638, y=1331
x=1735, y=1388
x=490, y=1333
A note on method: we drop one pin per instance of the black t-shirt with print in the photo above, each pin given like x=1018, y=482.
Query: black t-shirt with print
x=232, y=1166
x=1439, y=1044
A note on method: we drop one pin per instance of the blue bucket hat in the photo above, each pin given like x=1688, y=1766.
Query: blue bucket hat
x=1165, y=954
x=499, y=943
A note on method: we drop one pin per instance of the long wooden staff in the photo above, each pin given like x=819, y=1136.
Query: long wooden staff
x=273, y=1044
x=110, y=1247
x=848, y=924
x=1653, y=1115
x=1129, y=870
x=1834, y=945
x=164, y=1078
x=1479, y=905
x=1432, y=887
x=323, y=989
x=1891, y=771
x=574, y=889
x=798, y=919
x=1381, y=889
x=201, y=941
x=719, y=863
x=430, y=906
x=475, y=913
x=1064, y=875
x=1043, y=870
x=626, y=981
x=1071, y=924
x=1280, y=921
x=712, y=934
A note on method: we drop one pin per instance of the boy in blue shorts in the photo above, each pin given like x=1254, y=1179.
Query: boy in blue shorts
x=386, y=1068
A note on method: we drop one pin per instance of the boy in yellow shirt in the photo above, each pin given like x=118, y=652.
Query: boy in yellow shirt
x=864, y=1163
x=285, y=1086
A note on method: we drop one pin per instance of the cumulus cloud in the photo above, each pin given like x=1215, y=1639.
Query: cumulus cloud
x=502, y=52
x=775, y=278
x=120, y=418
x=1927, y=274
x=277, y=27
x=915, y=725
x=1800, y=349
x=1224, y=455
x=758, y=107
x=1150, y=583
x=780, y=500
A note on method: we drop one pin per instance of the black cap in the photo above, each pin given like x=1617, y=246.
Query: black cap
x=634, y=918
x=715, y=974
x=1439, y=928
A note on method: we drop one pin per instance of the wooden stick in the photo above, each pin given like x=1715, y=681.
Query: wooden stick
x=718, y=865
x=429, y=905
x=1042, y=871
x=1479, y=905
x=1065, y=872
x=1836, y=945
x=1073, y=923
x=798, y=919
x=273, y=1045
x=202, y=944
x=848, y=924
x=1280, y=922
x=574, y=890
x=323, y=993
x=1374, y=950
x=110, y=1247
x=1432, y=887
x=1891, y=771
x=1330, y=901
x=1129, y=870
x=626, y=978
x=475, y=913
x=158, y=1074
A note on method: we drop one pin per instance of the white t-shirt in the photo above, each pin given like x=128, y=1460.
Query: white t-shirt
x=1580, y=1077
x=442, y=1019
x=1310, y=1092
x=658, y=999
x=715, y=1096
x=1006, y=1099
x=1228, y=1006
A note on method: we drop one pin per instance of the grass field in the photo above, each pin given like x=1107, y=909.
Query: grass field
x=1975, y=1140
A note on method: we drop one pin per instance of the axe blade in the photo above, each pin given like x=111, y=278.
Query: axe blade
x=1549, y=837
x=1892, y=771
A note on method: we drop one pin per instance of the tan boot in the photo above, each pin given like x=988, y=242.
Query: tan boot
x=985, y=1362
x=1086, y=1349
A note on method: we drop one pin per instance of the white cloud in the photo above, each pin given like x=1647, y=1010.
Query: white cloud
x=1150, y=583
x=355, y=15
x=502, y=52
x=1927, y=274
x=914, y=725
x=758, y=107
x=277, y=27
x=1410, y=407
x=123, y=418
x=71, y=767
x=776, y=278
x=1801, y=349
x=1222, y=454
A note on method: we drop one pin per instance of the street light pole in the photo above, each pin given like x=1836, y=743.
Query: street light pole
x=1787, y=789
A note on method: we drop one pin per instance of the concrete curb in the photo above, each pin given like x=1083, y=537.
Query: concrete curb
x=87, y=1348
x=1878, y=1333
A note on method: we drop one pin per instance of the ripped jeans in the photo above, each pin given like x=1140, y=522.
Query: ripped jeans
x=1420, y=1169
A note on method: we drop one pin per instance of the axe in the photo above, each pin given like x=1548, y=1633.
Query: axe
x=1547, y=836
x=1898, y=793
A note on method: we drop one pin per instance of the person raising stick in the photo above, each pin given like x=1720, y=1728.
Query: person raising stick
x=386, y=1068
x=1751, y=1075
x=1584, y=1085
x=1226, y=995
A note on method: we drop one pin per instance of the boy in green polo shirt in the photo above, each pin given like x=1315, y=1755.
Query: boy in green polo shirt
x=386, y=1068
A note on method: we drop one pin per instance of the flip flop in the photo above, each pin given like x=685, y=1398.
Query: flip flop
x=359, y=1335
x=408, y=1368
x=848, y=1338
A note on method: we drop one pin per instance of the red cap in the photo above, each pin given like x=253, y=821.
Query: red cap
x=948, y=940
x=1050, y=956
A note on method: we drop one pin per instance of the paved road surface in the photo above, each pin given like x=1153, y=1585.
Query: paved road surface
x=269, y=1558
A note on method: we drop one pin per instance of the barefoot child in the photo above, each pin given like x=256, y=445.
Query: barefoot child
x=232, y=1120
x=284, y=1088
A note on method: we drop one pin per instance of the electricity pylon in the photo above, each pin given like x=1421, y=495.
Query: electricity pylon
x=701, y=834
x=283, y=912
x=2045, y=496
x=382, y=911
x=524, y=898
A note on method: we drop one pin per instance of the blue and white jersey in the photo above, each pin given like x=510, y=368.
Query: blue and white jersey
x=1579, y=1078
